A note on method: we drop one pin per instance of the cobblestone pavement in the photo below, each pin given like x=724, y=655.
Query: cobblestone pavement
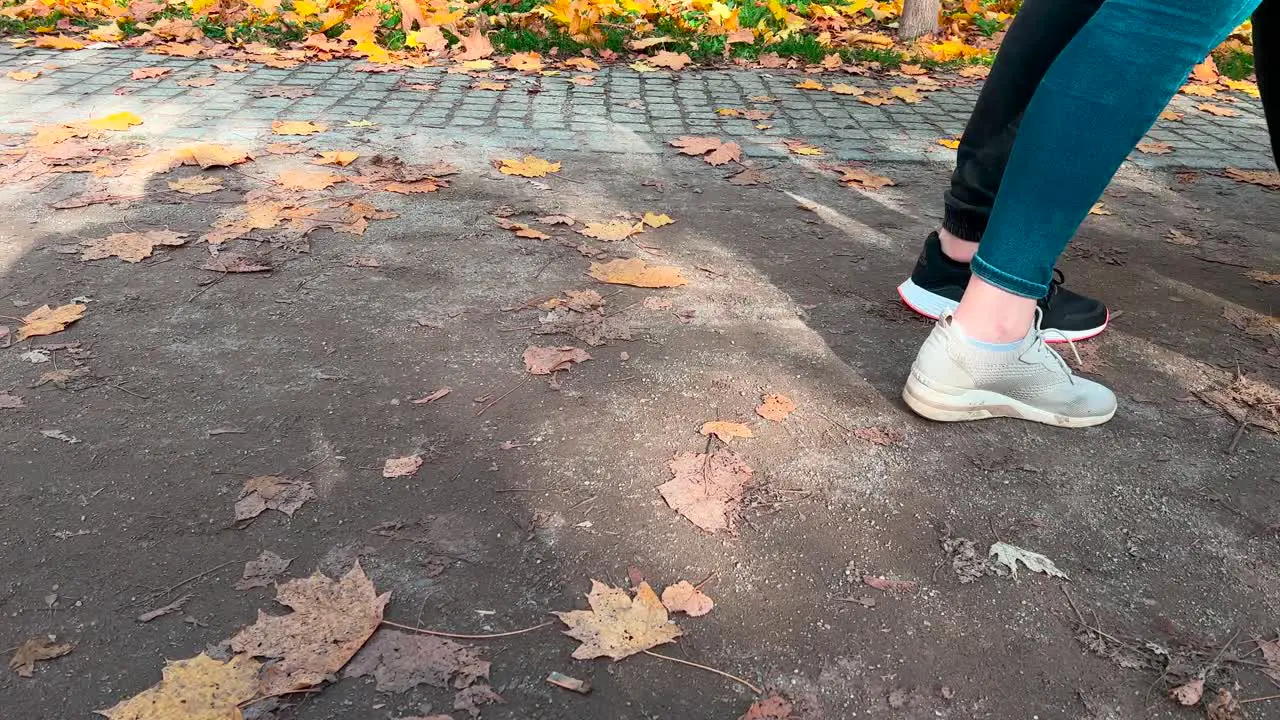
x=624, y=112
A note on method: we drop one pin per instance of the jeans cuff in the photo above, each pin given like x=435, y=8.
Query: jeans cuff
x=1007, y=282
x=963, y=224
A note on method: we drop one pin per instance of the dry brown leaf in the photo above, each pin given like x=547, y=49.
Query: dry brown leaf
x=1218, y=110
x=887, y=585
x=400, y=661
x=433, y=396
x=149, y=73
x=235, y=263
x=670, y=60
x=1266, y=178
x=776, y=407
x=290, y=92
x=656, y=220
x=231, y=67
x=472, y=699
x=522, y=230
x=637, y=273
x=557, y=220
x=547, y=360
x=845, y=89
x=272, y=492
x=726, y=431
x=196, y=185
x=1155, y=148
x=1263, y=276
x=297, y=179
x=582, y=80
x=263, y=571
x=330, y=622
x=618, y=626
x=684, y=597
x=529, y=167
x=1099, y=209
x=1171, y=115
x=23, y=75
x=748, y=177
x=36, y=650
x=692, y=145
x=614, y=231
x=429, y=185
x=774, y=707
x=488, y=85
x=582, y=64
x=1199, y=90
x=198, y=82
x=975, y=72
x=341, y=158
x=876, y=100
x=728, y=152
x=810, y=84
x=857, y=177
x=208, y=155
x=402, y=466
x=707, y=489
x=1224, y=706
x=1189, y=693
x=800, y=147
x=47, y=321
x=297, y=127
x=475, y=46
x=906, y=95
x=1177, y=237
x=198, y=687
x=130, y=247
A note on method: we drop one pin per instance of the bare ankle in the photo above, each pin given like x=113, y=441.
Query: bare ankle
x=957, y=249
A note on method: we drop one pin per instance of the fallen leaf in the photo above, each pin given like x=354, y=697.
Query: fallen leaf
x=887, y=585
x=857, y=177
x=642, y=67
x=975, y=71
x=402, y=466
x=234, y=263
x=556, y=220
x=149, y=73
x=231, y=67
x=208, y=155
x=1224, y=706
x=1262, y=276
x=36, y=650
x=1011, y=555
x=330, y=622
x=530, y=167
x=1188, y=694
x=952, y=143
x=59, y=435
x=130, y=247
x=776, y=407
x=297, y=127
x=10, y=402
x=906, y=95
x=522, y=230
x=684, y=597
x=1155, y=148
x=196, y=185
x=637, y=273
x=263, y=571
x=583, y=64
x=400, y=661
x=707, y=489
x=582, y=80
x=115, y=122
x=475, y=46
x=726, y=431
x=615, y=231
x=1218, y=110
x=876, y=100
x=810, y=84
x=341, y=158
x=800, y=147
x=23, y=75
x=1199, y=90
x=1244, y=86
x=198, y=82
x=618, y=626
x=172, y=607
x=429, y=185
x=271, y=492
x=670, y=60
x=654, y=220
x=1171, y=115
x=290, y=92
x=47, y=321
x=692, y=145
x=1205, y=72
x=547, y=360
x=747, y=177
x=646, y=43
x=845, y=89
x=728, y=152
x=472, y=699
x=1266, y=178
x=877, y=435
x=198, y=687
x=297, y=179
x=488, y=85
x=774, y=707
x=1099, y=209
x=433, y=396
x=525, y=62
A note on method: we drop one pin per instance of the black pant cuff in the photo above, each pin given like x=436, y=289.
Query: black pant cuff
x=963, y=225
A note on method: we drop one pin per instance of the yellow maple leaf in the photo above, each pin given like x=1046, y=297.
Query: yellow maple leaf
x=198, y=688
x=115, y=121
x=341, y=158
x=615, y=231
x=208, y=155
x=618, y=625
x=1199, y=90
x=952, y=143
x=23, y=75
x=308, y=179
x=488, y=85
x=845, y=89
x=478, y=65
x=810, y=84
x=110, y=32
x=47, y=321
x=1244, y=86
x=638, y=273
x=906, y=94
x=361, y=123
x=655, y=220
x=306, y=8
x=642, y=67
x=529, y=167
x=776, y=407
x=58, y=42
x=297, y=127
x=130, y=247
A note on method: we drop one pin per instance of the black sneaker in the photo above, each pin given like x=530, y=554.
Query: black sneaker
x=938, y=282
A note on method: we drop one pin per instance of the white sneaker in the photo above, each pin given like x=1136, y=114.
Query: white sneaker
x=952, y=380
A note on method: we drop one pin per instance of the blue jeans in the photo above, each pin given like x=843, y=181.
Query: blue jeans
x=1095, y=103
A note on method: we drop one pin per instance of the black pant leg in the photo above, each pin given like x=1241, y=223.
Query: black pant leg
x=1039, y=32
x=1266, y=64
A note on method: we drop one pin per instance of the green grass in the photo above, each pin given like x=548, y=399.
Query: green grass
x=1234, y=63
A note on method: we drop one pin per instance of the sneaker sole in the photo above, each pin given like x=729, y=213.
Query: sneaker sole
x=934, y=306
x=961, y=404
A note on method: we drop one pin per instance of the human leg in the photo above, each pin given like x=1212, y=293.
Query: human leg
x=1266, y=64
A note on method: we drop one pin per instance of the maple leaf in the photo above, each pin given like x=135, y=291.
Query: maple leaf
x=285, y=148
x=1218, y=110
x=845, y=89
x=1198, y=90
x=952, y=143
x=330, y=622
x=583, y=64
x=547, y=360
x=800, y=147
x=36, y=650
x=1099, y=209
x=1155, y=148
x=684, y=597
x=1263, y=178
x=150, y=73
x=1011, y=555
x=707, y=489
x=47, y=321
x=726, y=153
x=638, y=273
x=529, y=167
x=670, y=60
x=726, y=431
x=617, y=625
x=307, y=179
x=857, y=177
x=475, y=46
x=23, y=75
x=231, y=67
x=402, y=466
x=58, y=42
x=691, y=145
x=341, y=158
x=642, y=67
x=810, y=84
x=208, y=155
x=522, y=230
x=646, y=43
x=1244, y=86
x=525, y=62
x=196, y=185
x=615, y=231
x=115, y=121
x=399, y=661
x=1205, y=72
x=271, y=492
x=198, y=82
x=297, y=127
x=906, y=95
x=1189, y=693
x=582, y=80
x=876, y=100
x=263, y=571
x=774, y=707
x=198, y=687
x=776, y=407
x=654, y=220
x=130, y=247
x=488, y=85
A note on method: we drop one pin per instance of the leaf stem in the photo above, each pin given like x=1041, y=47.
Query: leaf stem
x=461, y=636
x=721, y=673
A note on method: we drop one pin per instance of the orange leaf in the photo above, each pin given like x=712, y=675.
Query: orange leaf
x=308, y=179
x=342, y=158
x=530, y=167
x=727, y=431
x=488, y=85
x=952, y=143
x=776, y=407
x=23, y=75
x=583, y=64
x=58, y=42
x=475, y=46
x=810, y=84
x=1205, y=72
x=615, y=231
x=297, y=127
x=726, y=153
x=1218, y=110
x=695, y=145
x=637, y=273
x=525, y=62
x=670, y=60
x=845, y=89
x=861, y=178
x=1199, y=90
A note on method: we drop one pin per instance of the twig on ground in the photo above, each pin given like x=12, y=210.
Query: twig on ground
x=707, y=579
x=124, y=389
x=499, y=399
x=1259, y=699
x=1235, y=439
x=207, y=286
x=721, y=673
x=461, y=636
x=156, y=596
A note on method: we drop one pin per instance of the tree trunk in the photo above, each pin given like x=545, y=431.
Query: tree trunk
x=919, y=17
